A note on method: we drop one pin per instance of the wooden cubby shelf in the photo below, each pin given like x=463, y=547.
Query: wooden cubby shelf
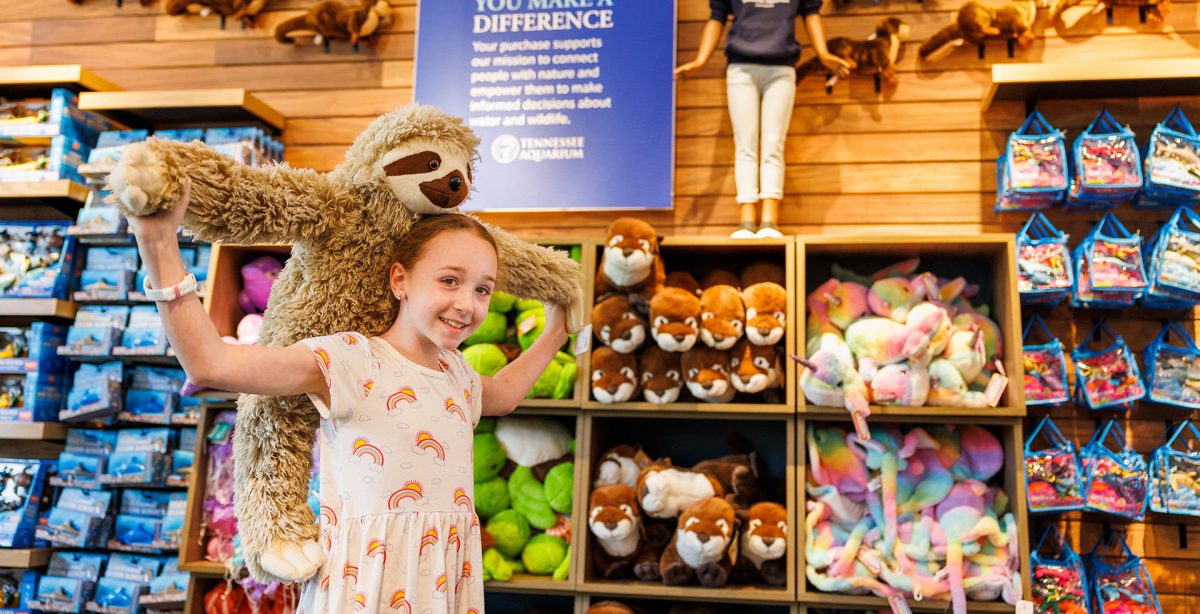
x=58, y=193
x=24, y=558
x=1176, y=77
x=37, y=431
x=36, y=308
x=25, y=81
x=163, y=108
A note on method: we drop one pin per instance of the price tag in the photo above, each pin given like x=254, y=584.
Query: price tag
x=995, y=388
x=526, y=325
x=1024, y=607
x=583, y=341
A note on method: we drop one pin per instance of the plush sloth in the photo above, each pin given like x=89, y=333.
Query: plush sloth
x=684, y=281
x=621, y=465
x=706, y=372
x=722, y=316
x=720, y=277
x=674, y=319
x=663, y=491
x=614, y=521
x=617, y=325
x=702, y=547
x=763, y=545
x=614, y=375
x=737, y=474
x=766, y=312
x=630, y=263
x=755, y=368
x=660, y=375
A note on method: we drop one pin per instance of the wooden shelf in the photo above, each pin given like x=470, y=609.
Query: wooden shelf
x=62, y=194
x=927, y=412
x=735, y=594
x=24, y=81
x=36, y=308
x=162, y=108
x=767, y=409
x=567, y=403
x=38, y=431
x=528, y=583
x=24, y=558
x=872, y=603
x=1120, y=79
x=205, y=568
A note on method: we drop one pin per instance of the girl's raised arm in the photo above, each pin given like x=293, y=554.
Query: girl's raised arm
x=209, y=361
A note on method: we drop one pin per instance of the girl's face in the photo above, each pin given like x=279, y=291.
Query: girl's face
x=448, y=288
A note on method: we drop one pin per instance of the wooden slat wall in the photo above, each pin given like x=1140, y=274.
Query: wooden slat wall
x=917, y=158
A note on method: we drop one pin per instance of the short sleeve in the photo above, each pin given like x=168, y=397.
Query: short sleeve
x=719, y=10
x=347, y=364
x=469, y=379
x=809, y=7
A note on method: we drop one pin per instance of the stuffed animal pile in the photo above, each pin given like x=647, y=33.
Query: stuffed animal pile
x=659, y=335
x=510, y=327
x=658, y=522
x=895, y=338
x=524, y=488
x=910, y=513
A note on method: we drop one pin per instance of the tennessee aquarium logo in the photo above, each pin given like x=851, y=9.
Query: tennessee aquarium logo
x=506, y=148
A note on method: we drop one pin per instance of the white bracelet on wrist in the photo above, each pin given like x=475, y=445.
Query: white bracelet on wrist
x=171, y=293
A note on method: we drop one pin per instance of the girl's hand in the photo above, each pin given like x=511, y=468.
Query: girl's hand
x=556, y=323
x=166, y=222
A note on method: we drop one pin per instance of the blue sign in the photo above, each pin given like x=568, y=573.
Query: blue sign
x=573, y=100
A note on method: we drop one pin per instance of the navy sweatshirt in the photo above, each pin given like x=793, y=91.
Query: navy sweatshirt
x=763, y=31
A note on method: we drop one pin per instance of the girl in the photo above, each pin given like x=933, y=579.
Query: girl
x=760, y=87
x=398, y=528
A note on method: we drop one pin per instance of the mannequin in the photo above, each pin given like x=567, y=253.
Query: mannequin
x=761, y=87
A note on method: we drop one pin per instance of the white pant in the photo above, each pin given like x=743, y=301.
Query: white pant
x=760, y=107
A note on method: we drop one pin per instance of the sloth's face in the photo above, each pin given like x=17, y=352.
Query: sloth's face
x=427, y=176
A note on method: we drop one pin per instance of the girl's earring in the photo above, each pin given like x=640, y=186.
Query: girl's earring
x=401, y=296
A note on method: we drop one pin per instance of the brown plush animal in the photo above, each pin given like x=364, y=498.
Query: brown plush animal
x=610, y=607
x=755, y=368
x=766, y=312
x=722, y=316
x=664, y=491
x=630, y=263
x=703, y=546
x=343, y=227
x=1152, y=11
x=621, y=465
x=720, y=277
x=875, y=55
x=328, y=21
x=674, y=319
x=142, y=2
x=763, y=545
x=706, y=372
x=737, y=474
x=661, y=376
x=762, y=270
x=241, y=10
x=617, y=325
x=683, y=280
x=977, y=22
x=614, y=521
x=614, y=375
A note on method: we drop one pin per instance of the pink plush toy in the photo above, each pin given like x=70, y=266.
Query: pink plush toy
x=904, y=383
x=882, y=341
x=257, y=277
x=894, y=297
x=829, y=379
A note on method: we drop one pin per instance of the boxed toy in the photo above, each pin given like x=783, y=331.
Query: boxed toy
x=79, y=470
x=104, y=285
x=41, y=117
x=78, y=518
x=32, y=349
x=144, y=336
x=95, y=393
x=18, y=589
x=60, y=159
x=21, y=483
x=35, y=259
x=95, y=331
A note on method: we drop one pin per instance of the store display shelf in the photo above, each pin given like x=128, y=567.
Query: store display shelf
x=925, y=412
x=528, y=583
x=174, y=107
x=872, y=603
x=206, y=568
x=36, y=308
x=25, y=81
x=549, y=403
x=24, y=558
x=1119, y=79
x=57, y=192
x=737, y=594
x=43, y=431
x=766, y=409
x=158, y=359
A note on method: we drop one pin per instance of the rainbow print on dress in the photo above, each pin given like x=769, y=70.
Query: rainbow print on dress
x=426, y=442
x=412, y=491
x=364, y=449
x=399, y=602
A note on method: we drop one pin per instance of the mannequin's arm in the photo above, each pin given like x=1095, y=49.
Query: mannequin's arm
x=708, y=44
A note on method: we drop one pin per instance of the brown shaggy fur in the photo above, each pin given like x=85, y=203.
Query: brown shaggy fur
x=343, y=227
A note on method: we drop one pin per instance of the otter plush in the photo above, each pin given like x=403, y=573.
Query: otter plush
x=244, y=11
x=763, y=545
x=766, y=312
x=737, y=474
x=706, y=372
x=343, y=227
x=754, y=368
x=674, y=319
x=630, y=263
x=703, y=545
x=660, y=375
x=614, y=521
x=614, y=376
x=621, y=465
x=610, y=607
x=327, y=21
x=722, y=316
x=720, y=277
x=977, y=22
x=762, y=271
x=874, y=56
x=683, y=280
x=664, y=491
x=617, y=325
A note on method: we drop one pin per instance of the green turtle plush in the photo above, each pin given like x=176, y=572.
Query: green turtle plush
x=498, y=568
x=489, y=456
x=492, y=330
x=559, y=487
x=501, y=302
x=486, y=358
x=511, y=531
x=544, y=554
x=491, y=497
x=529, y=498
x=558, y=380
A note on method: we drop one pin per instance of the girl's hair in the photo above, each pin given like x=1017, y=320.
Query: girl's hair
x=425, y=229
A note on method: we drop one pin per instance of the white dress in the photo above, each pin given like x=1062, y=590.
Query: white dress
x=397, y=518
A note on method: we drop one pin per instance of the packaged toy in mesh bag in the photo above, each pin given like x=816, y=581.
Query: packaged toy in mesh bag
x=1032, y=173
x=1045, y=367
x=1172, y=163
x=1106, y=165
x=1109, y=271
x=1044, y=272
x=1173, y=370
x=1059, y=582
x=1175, y=473
x=1117, y=480
x=1173, y=262
x=1053, y=476
x=1107, y=377
x=1120, y=583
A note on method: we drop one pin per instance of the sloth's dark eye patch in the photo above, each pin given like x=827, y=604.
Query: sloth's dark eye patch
x=416, y=164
